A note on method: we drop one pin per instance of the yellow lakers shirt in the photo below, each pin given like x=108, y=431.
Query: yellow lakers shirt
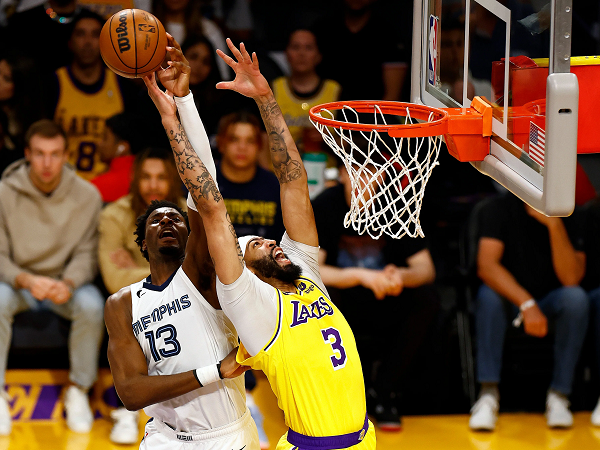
x=82, y=116
x=309, y=353
x=295, y=109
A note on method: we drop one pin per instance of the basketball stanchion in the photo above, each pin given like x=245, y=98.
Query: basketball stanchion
x=389, y=164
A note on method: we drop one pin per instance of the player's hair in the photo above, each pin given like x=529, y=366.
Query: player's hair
x=140, y=223
x=241, y=116
x=45, y=128
x=126, y=127
x=86, y=14
x=137, y=202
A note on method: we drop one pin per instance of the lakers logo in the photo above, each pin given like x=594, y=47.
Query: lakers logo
x=361, y=436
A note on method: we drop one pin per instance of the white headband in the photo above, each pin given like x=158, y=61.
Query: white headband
x=244, y=242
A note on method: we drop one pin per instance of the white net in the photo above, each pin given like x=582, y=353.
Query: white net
x=388, y=175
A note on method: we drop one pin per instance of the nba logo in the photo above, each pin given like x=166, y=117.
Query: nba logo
x=432, y=59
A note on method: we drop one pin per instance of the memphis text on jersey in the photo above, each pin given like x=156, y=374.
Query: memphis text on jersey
x=177, y=305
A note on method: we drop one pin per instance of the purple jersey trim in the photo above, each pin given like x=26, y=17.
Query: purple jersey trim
x=327, y=442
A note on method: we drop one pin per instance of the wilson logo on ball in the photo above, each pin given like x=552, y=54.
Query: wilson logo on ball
x=123, y=40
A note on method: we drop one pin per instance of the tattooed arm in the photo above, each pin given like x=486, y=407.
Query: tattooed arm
x=297, y=210
x=220, y=234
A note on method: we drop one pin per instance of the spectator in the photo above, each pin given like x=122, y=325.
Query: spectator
x=48, y=243
x=592, y=284
x=359, y=37
x=304, y=88
x=43, y=32
x=387, y=297
x=251, y=195
x=20, y=99
x=154, y=178
x=535, y=263
x=212, y=103
x=118, y=148
x=183, y=18
x=84, y=94
x=249, y=190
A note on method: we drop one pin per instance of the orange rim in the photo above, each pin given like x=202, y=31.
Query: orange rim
x=436, y=127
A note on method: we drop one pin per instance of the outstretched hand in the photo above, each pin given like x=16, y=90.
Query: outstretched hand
x=248, y=79
x=162, y=100
x=175, y=78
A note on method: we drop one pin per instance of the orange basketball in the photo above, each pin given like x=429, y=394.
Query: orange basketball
x=132, y=43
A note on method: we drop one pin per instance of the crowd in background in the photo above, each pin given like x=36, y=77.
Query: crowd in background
x=57, y=231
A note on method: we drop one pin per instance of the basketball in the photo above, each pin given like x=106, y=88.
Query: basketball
x=132, y=43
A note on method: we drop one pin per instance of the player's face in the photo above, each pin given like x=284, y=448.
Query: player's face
x=200, y=62
x=166, y=233
x=46, y=157
x=154, y=180
x=85, y=42
x=302, y=52
x=264, y=257
x=7, y=85
x=240, y=146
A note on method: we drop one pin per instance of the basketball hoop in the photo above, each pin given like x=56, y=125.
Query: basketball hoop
x=390, y=169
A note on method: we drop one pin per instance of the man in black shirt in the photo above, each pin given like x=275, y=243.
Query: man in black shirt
x=536, y=263
x=387, y=298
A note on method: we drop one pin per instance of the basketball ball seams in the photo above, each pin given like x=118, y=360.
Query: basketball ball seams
x=134, y=41
x=155, y=46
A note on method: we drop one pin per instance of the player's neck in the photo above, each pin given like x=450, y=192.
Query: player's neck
x=236, y=175
x=162, y=269
x=304, y=82
x=87, y=75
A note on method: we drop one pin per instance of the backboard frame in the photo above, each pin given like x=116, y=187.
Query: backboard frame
x=549, y=189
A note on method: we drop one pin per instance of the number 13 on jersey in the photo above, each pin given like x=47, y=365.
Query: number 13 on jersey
x=332, y=336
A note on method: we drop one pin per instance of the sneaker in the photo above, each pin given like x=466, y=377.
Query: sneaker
x=79, y=414
x=125, y=429
x=5, y=418
x=558, y=414
x=258, y=420
x=484, y=413
x=596, y=415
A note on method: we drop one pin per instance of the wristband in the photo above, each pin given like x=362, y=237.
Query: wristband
x=208, y=374
x=523, y=307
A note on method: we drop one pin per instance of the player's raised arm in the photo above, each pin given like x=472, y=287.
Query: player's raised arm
x=222, y=240
x=297, y=211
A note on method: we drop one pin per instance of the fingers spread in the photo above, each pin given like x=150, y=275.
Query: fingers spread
x=230, y=62
x=234, y=50
x=244, y=53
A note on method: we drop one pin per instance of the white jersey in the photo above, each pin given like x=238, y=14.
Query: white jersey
x=178, y=331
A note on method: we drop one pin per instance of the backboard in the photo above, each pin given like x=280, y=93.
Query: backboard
x=533, y=149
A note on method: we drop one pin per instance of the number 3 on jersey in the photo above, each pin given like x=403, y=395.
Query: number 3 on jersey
x=332, y=336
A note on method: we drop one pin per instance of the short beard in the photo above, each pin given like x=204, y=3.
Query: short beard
x=268, y=268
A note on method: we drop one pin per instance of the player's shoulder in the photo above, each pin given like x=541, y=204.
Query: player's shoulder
x=119, y=302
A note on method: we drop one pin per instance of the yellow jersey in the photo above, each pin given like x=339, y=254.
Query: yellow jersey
x=82, y=116
x=295, y=109
x=312, y=364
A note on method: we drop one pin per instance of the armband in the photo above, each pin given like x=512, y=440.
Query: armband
x=208, y=374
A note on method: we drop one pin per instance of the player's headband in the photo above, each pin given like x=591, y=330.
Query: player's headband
x=244, y=242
